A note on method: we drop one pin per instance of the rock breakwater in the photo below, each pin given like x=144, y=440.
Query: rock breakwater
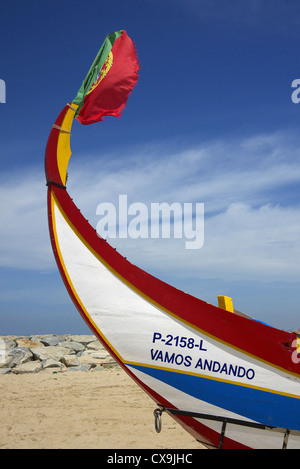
x=59, y=353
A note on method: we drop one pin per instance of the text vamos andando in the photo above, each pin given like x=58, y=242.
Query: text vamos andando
x=214, y=366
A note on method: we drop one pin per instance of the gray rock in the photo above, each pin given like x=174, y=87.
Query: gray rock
x=50, y=363
x=87, y=358
x=95, y=345
x=101, y=354
x=28, y=343
x=30, y=354
x=70, y=360
x=75, y=346
x=5, y=371
x=56, y=353
x=16, y=356
x=7, y=343
x=29, y=367
x=6, y=346
x=82, y=339
x=50, y=341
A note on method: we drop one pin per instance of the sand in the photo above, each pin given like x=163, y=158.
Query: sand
x=102, y=410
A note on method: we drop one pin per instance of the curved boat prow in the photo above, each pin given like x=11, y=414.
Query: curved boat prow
x=58, y=150
x=206, y=366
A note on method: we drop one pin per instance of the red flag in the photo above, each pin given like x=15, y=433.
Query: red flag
x=111, y=78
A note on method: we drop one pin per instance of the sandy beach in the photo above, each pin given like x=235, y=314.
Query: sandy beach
x=101, y=410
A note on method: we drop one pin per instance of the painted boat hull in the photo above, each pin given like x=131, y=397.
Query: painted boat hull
x=186, y=354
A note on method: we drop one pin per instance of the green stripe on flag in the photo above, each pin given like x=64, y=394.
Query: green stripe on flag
x=95, y=68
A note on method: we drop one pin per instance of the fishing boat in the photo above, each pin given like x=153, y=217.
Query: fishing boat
x=231, y=381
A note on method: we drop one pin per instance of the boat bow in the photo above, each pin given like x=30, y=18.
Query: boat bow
x=167, y=340
x=208, y=367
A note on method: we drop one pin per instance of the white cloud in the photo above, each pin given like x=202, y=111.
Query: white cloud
x=249, y=233
x=24, y=238
x=241, y=243
x=252, y=243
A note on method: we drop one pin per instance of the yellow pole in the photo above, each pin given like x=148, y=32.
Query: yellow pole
x=225, y=302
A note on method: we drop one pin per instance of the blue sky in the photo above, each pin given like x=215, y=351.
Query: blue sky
x=211, y=120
